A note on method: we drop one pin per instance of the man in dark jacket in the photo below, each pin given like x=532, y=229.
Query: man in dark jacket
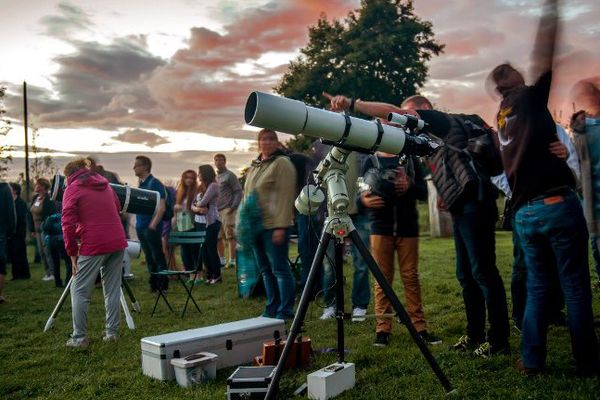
x=8, y=221
x=471, y=199
x=17, y=248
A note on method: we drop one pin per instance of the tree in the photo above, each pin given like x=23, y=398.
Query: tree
x=379, y=53
x=5, y=127
x=41, y=166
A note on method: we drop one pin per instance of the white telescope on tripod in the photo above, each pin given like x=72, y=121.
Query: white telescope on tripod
x=294, y=117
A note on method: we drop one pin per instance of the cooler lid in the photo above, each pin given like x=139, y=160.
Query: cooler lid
x=194, y=360
x=229, y=328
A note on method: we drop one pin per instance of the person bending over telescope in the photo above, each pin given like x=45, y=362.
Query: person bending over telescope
x=471, y=200
x=95, y=241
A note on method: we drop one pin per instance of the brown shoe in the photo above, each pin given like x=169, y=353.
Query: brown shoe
x=526, y=371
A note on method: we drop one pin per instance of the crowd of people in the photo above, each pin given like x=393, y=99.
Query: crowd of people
x=544, y=173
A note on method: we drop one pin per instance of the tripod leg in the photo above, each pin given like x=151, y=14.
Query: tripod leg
x=389, y=292
x=128, y=317
x=58, y=306
x=300, y=314
x=134, y=302
x=339, y=297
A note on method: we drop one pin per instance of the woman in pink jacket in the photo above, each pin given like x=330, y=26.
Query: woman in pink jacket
x=95, y=241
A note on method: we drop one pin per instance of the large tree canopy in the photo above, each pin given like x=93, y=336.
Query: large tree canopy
x=379, y=52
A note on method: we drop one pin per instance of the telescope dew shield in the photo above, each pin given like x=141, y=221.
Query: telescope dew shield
x=58, y=187
x=136, y=200
x=294, y=117
x=276, y=113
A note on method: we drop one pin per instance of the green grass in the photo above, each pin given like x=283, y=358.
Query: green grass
x=36, y=365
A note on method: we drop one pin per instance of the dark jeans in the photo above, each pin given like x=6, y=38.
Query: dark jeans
x=309, y=232
x=57, y=251
x=17, y=256
x=558, y=227
x=209, y=253
x=595, y=254
x=361, y=291
x=518, y=285
x=190, y=253
x=155, y=258
x=3, y=254
x=478, y=275
x=272, y=260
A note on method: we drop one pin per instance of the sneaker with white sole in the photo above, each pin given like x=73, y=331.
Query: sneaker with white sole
x=110, y=337
x=48, y=278
x=78, y=343
x=328, y=313
x=358, y=314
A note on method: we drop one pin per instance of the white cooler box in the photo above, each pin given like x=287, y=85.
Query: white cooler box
x=234, y=343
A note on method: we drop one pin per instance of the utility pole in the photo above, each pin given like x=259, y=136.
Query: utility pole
x=25, y=125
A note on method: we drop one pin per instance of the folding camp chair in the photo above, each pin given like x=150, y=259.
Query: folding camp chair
x=189, y=237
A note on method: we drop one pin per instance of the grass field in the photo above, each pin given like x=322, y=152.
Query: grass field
x=36, y=365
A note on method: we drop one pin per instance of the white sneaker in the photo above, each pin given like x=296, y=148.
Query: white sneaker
x=328, y=313
x=110, y=337
x=48, y=278
x=358, y=314
x=80, y=343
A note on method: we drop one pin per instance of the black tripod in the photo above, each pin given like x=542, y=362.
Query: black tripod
x=337, y=227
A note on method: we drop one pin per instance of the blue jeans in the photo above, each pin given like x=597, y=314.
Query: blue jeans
x=560, y=228
x=518, y=285
x=280, y=286
x=476, y=270
x=155, y=258
x=361, y=291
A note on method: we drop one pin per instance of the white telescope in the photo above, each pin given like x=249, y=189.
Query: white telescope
x=294, y=117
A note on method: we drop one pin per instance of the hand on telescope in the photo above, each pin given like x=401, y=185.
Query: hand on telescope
x=370, y=200
x=338, y=102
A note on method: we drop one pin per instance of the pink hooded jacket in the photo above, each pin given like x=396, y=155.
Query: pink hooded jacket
x=90, y=216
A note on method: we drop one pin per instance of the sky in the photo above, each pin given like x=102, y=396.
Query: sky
x=170, y=79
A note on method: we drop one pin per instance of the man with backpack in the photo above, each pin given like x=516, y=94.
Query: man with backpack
x=461, y=170
x=148, y=228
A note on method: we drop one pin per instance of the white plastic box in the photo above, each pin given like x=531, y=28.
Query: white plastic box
x=195, y=368
x=234, y=343
x=330, y=381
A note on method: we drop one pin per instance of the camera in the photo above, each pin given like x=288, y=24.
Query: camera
x=380, y=182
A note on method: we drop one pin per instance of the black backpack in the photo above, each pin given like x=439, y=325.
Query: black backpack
x=481, y=146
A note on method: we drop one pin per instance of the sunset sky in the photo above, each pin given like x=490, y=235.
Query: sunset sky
x=167, y=77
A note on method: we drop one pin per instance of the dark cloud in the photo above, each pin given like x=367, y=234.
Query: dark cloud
x=70, y=19
x=202, y=89
x=140, y=136
x=97, y=86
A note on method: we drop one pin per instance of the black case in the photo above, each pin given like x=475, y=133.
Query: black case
x=249, y=383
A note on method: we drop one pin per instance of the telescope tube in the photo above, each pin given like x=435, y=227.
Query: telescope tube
x=294, y=117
